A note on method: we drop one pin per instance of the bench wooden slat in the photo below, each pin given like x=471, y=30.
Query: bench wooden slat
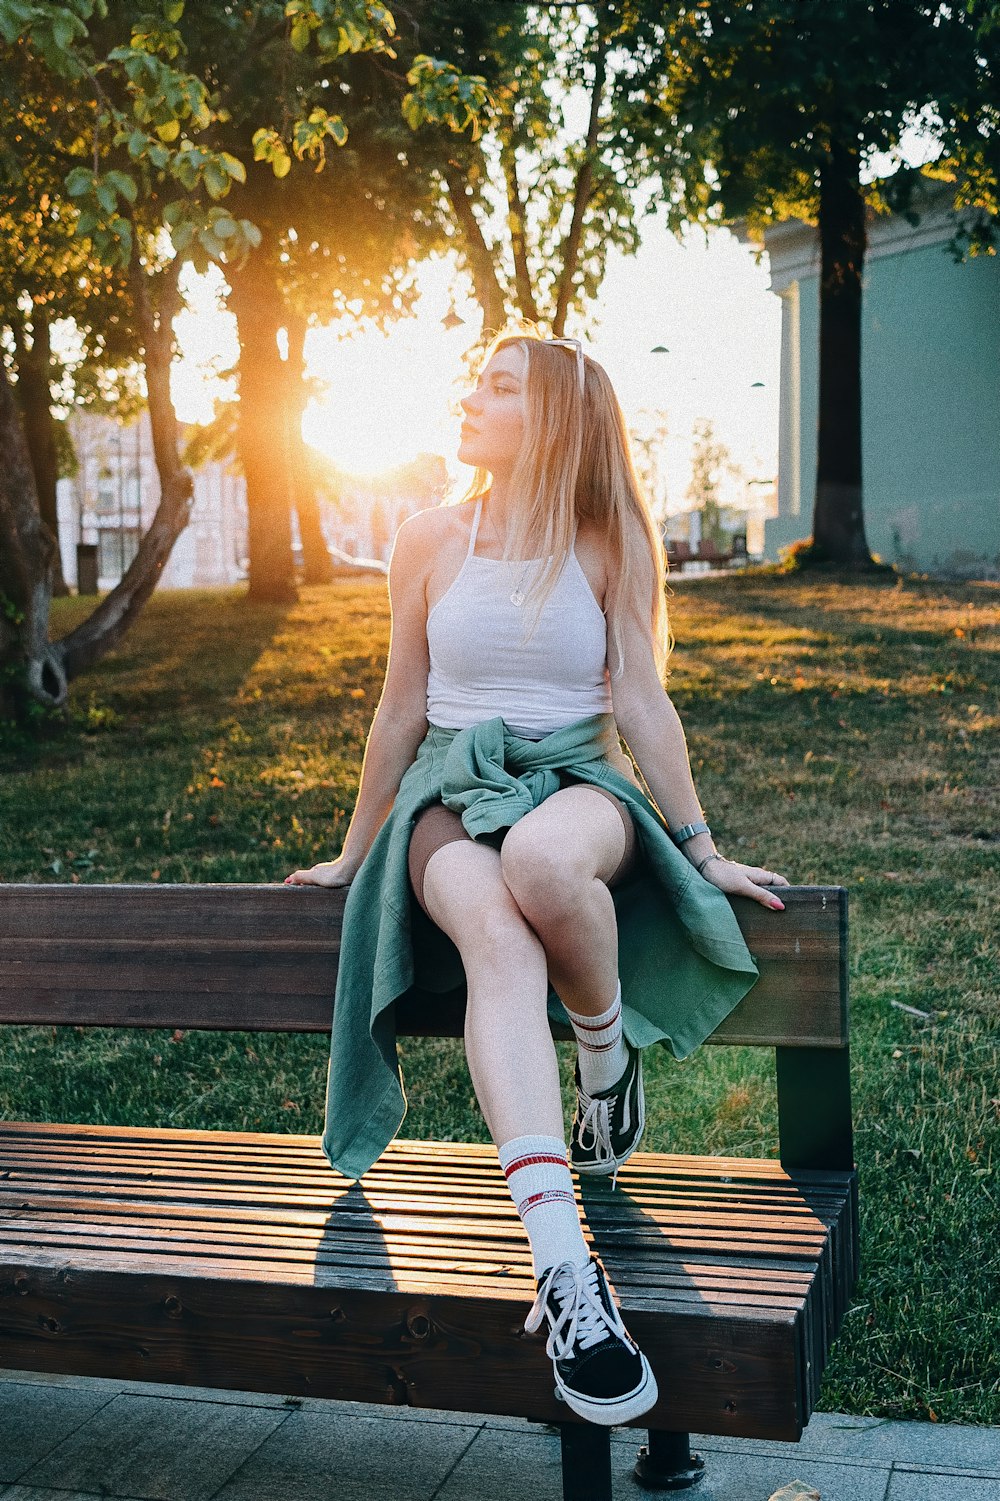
x=477, y=1159
x=408, y=1289
x=413, y=1251
x=264, y=958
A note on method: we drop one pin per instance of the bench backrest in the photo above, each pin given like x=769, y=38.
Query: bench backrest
x=264, y=958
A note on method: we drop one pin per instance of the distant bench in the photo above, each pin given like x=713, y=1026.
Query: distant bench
x=240, y=1260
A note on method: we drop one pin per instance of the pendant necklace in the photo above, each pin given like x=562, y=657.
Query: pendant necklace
x=516, y=594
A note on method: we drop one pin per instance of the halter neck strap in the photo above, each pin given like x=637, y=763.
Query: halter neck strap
x=475, y=527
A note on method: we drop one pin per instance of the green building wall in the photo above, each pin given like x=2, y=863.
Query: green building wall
x=930, y=411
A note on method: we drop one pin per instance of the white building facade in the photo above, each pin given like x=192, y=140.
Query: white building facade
x=930, y=395
x=113, y=497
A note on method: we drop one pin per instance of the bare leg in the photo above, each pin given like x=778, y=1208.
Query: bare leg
x=598, y=1369
x=512, y=1057
x=556, y=861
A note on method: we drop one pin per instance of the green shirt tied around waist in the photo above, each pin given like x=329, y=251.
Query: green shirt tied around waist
x=682, y=959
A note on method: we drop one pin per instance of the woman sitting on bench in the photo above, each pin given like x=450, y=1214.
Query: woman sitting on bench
x=500, y=836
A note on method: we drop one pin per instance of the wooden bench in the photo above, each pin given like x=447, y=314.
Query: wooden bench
x=240, y=1260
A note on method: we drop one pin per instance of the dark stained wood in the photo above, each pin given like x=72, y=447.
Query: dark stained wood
x=242, y=1260
x=264, y=958
x=814, y=1107
x=145, y=1260
x=466, y=1353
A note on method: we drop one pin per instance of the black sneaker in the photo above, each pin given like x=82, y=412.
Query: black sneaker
x=607, y=1127
x=601, y=1373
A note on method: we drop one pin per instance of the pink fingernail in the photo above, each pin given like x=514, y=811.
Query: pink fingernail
x=779, y=906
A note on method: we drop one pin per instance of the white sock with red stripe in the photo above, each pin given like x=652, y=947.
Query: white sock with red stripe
x=603, y=1055
x=541, y=1186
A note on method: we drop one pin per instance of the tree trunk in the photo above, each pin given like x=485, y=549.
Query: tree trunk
x=581, y=195
x=29, y=668
x=119, y=610
x=31, y=665
x=34, y=395
x=259, y=315
x=526, y=304
x=317, y=564
x=489, y=293
x=838, y=518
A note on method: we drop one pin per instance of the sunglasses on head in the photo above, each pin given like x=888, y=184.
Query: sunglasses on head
x=573, y=344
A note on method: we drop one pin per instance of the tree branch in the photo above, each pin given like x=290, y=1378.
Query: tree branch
x=105, y=627
x=582, y=193
x=516, y=224
x=481, y=263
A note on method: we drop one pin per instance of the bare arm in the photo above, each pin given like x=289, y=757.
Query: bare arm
x=652, y=730
x=400, y=721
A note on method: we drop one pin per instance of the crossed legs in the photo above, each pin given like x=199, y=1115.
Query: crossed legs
x=538, y=909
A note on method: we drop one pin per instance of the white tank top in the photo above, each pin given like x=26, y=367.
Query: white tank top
x=481, y=665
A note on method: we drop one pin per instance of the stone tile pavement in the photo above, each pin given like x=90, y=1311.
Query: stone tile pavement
x=73, y=1439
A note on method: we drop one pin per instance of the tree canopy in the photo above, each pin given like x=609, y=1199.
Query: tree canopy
x=762, y=110
x=138, y=178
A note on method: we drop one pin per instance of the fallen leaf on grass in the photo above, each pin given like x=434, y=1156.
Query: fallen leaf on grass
x=796, y=1490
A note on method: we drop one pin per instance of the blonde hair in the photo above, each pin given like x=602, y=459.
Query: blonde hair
x=575, y=464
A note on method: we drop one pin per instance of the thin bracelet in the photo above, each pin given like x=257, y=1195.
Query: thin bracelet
x=707, y=860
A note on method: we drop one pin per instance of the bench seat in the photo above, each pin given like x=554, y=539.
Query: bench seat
x=243, y=1261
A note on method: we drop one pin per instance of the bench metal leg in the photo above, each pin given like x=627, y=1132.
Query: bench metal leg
x=586, y=1462
x=666, y=1462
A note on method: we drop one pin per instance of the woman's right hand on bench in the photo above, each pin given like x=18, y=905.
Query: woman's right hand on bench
x=339, y=872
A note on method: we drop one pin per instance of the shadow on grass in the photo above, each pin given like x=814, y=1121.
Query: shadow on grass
x=899, y=610
x=182, y=656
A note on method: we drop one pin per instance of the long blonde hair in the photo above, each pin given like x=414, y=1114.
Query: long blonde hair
x=575, y=464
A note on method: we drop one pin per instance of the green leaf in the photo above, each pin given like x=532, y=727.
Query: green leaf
x=79, y=182
x=224, y=227
x=233, y=166
x=137, y=143
x=281, y=163
x=264, y=142
x=413, y=112
x=213, y=246
x=173, y=10
x=336, y=128
x=123, y=229
x=64, y=28
x=123, y=185
x=216, y=181
x=14, y=19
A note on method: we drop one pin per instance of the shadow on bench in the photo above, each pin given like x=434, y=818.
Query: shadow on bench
x=240, y=1260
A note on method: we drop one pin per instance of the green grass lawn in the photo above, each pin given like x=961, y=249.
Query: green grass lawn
x=840, y=733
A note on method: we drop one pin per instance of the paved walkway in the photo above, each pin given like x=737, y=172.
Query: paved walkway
x=71, y=1439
